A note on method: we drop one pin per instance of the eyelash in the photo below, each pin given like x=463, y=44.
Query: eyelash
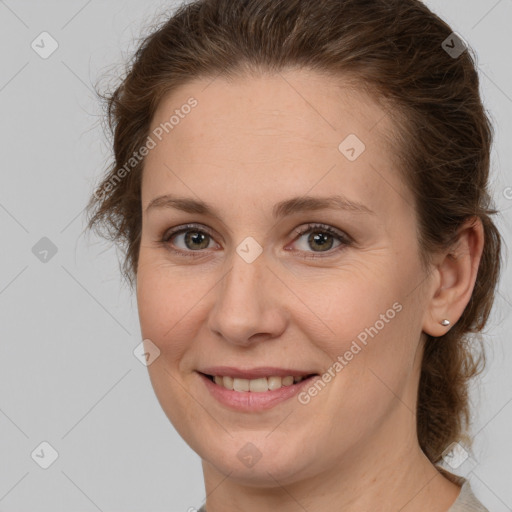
x=344, y=239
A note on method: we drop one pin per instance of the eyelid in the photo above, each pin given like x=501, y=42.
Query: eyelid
x=343, y=238
x=186, y=227
x=323, y=227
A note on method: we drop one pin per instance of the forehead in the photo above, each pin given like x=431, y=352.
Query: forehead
x=303, y=102
x=293, y=126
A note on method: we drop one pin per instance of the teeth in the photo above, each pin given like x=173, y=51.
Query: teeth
x=241, y=384
x=256, y=385
x=276, y=383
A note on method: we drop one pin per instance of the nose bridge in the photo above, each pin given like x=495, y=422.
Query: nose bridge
x=238, y=292
x=244, y=305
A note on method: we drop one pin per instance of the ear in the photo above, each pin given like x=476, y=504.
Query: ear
x=454, y=276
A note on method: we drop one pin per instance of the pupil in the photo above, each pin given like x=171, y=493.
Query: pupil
x=320, y=237
x=195, y=237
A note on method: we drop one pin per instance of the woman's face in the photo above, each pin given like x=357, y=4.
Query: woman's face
x=241, y=293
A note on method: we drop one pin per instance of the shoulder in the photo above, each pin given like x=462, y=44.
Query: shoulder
x=466, y=501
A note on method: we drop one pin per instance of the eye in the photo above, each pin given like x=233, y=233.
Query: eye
x=321, y=238
x=191, y=240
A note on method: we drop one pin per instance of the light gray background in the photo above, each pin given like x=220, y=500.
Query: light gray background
x=68, y=375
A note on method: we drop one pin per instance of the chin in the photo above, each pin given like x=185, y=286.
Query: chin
x=265, y=463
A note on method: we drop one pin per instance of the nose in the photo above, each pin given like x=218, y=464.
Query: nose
x=249, y=304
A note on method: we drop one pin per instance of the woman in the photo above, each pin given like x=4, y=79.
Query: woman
x=329, y=162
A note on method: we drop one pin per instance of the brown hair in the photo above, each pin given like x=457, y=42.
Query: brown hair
x=394, y=50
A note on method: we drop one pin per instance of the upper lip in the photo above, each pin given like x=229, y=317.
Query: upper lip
x=253, y=373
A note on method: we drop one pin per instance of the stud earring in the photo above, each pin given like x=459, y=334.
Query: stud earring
x=445, y=322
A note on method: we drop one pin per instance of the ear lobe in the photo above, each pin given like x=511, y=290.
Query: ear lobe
x=456, y=271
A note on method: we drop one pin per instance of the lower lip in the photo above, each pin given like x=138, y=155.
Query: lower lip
x=253, y=401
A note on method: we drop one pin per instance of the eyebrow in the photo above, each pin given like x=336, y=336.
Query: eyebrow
x=282, y=209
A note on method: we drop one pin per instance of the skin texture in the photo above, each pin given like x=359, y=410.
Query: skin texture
x=247, y=145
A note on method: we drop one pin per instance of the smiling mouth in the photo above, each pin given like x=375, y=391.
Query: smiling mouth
x=259, y=385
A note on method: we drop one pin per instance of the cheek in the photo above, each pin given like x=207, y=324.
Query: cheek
x=348, y=304
x=369, y=328
x=168, y=305
x=169, y=316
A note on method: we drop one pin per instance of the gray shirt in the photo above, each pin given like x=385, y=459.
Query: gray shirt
x=466, y=501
